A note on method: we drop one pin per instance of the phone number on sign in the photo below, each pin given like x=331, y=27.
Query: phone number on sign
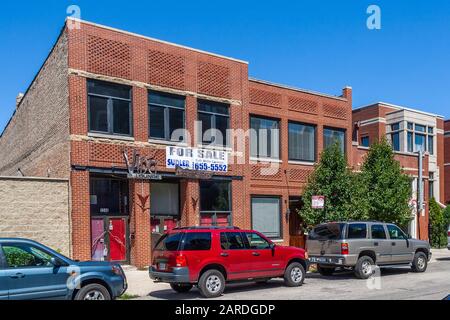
x=209, y=167
x=200, y=166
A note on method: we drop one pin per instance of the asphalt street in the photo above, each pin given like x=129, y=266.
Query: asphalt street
x=395, y=283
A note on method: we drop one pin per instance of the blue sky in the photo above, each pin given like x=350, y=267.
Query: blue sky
x=317, y=45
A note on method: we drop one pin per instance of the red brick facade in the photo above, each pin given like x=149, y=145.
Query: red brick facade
x=101, y=53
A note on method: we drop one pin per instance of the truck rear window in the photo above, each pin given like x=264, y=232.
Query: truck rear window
x=192, y=241
x=329, y=231
x=169, y=242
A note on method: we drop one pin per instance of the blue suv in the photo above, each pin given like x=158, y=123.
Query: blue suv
x=29, y=270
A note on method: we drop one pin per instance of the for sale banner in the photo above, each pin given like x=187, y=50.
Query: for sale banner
x=197, y=159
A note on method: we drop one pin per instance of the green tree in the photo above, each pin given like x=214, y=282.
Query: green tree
x=438, y=226
x=341, y=188
x=388, y=188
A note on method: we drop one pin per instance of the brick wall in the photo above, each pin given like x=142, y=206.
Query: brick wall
x=288, y=179
x=36, y=209
x=36, y=139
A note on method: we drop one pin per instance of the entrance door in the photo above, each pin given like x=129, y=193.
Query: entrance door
x=296, y=235
x=117, y=239
x=109, y=239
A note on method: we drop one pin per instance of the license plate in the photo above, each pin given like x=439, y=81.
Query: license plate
x=314, y=259
x=162, y=266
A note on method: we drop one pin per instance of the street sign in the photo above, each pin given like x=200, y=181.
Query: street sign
x=318, y=202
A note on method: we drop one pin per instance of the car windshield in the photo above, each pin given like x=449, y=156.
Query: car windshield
x=329, y=231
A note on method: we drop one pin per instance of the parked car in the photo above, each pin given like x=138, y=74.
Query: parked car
x=210, y=257
x=361, y=245
x=29, y=270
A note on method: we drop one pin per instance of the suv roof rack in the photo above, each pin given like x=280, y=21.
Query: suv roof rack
x=206, y=228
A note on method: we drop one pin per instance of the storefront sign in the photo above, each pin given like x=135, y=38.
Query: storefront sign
x=318, y=202
x=141, y=167
x=192, y=174
x=197, y=159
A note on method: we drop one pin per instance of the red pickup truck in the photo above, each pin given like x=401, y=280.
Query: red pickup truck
x=211, y=256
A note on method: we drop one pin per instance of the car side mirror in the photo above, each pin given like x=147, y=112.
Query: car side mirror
x=55, y=262
x=272, y=247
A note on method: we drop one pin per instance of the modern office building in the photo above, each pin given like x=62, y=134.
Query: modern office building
x=409, y=131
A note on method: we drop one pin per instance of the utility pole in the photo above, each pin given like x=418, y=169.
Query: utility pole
x=420, y=203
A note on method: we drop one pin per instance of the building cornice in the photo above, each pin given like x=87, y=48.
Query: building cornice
x=282, y=86
x=398, y=108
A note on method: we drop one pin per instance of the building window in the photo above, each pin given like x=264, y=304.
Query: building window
x=419, y=142
x=164, y=199
x=395, y=136
x=430, y=142
x=215, y=203
x=420, y=137
x=330, y=136
x=431, y=185
x=264, y=138
x=215, y=121
x=109, y=108
x=266, y=216
x=365, y=141
x=410, y=142
x=166, y=114
x=302, y=142
x=108, y=197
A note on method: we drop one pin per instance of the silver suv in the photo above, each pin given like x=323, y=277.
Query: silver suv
x=362, y=245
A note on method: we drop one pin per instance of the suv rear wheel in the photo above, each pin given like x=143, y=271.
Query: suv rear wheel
x=364, y=267
x=211, y=283
x=181, y=288
x=420, y=262
x=325, y=270
x=294, y=275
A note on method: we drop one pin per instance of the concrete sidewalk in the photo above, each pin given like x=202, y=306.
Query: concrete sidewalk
x=140, y=284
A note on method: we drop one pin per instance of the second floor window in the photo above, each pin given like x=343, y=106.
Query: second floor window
x=166, y=116
x=420, y=137
x=264, y=138
x=365, y=142
x=215, y=121
x=302, y=142
x=109, y=107
x=395, y=136
x=331, y=135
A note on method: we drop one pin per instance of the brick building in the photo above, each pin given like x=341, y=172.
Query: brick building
x=105, y=96
x=408, y=131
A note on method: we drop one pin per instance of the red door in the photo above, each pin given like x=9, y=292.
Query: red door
x=117, y=239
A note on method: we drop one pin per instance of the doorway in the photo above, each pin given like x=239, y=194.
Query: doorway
x=109, y=239
x=296, y=226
